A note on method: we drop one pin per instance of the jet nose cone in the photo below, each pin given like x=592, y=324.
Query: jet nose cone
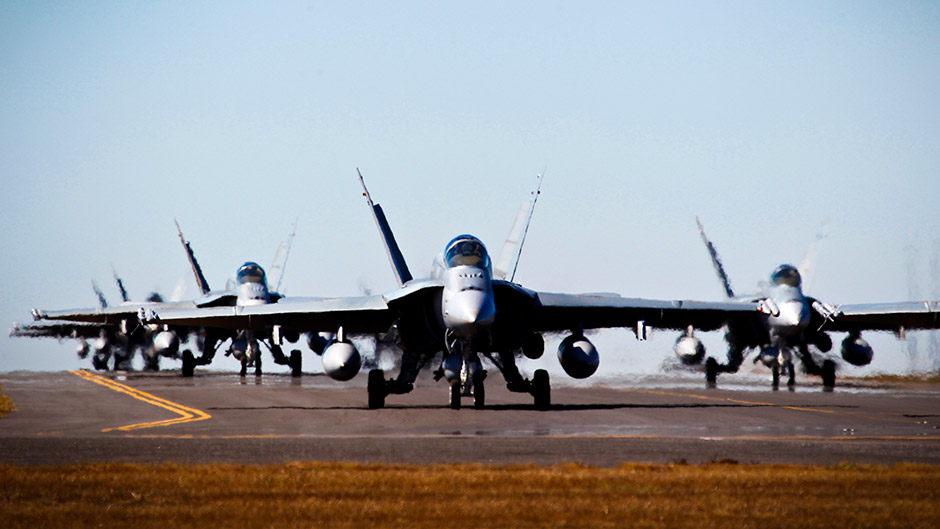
x=468, y=311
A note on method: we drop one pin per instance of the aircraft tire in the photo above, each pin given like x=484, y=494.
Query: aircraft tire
x=829, y=375
x=541, y=390
x=99, y=364
x=258, y=364
x=455, y=395
x=376, y=389
x=296, y=363
x=244, y=369
x=189, y=364
x=711, y=373
x=479, y=392
x=775, y=373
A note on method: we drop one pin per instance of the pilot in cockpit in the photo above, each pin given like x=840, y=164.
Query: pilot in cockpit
x=786, y=275
x=469, y=252
x=250, y=273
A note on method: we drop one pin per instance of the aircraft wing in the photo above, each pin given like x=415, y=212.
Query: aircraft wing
x=558, y=312
x=130, y=310
x=57, y=330
x=108, y=315
x=540, y=311
x=357, y=315
x=364, y=314
x=887, y=316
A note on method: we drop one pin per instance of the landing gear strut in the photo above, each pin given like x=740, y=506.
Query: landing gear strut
x=712, y=367
x=378, y=388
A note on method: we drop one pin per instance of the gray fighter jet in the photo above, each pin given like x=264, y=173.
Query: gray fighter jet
x=466, y=309
x=117, y=330
x=789, y=322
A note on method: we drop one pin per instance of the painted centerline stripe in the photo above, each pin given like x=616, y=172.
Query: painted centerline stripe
x=186, y=414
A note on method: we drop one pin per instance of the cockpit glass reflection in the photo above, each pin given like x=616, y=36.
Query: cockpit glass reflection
x=467, y=252
x=786, y=275
x=250, y=273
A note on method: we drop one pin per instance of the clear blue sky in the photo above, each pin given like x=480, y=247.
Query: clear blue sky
x=764, y=118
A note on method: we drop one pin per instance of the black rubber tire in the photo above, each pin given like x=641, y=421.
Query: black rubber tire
x=189, y=364
x=775, y=374
x=828, y=375
x=99, y=364
x=244, y=370
x=296, y=363
x=376, y=389
x=455, y=395
x=541, y=390
x=711, y=372
x=258, y=364
x=479, y=391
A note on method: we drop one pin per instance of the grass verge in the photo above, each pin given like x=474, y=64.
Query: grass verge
x=6, y=404
x=363, y=495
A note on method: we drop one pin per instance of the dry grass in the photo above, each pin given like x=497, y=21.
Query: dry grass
x=6, y=404
x=356, y=495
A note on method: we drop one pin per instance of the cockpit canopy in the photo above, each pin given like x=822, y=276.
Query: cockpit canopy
x=786, y=275
x=250, y=273
x=466, y=250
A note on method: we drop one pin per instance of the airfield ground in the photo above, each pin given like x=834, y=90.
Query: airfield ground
x=157, y=450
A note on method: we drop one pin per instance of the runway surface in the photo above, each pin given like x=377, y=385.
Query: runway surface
x=72, y=417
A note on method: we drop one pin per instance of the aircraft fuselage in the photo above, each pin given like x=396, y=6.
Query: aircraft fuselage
x=468, y=308
x=793, y=311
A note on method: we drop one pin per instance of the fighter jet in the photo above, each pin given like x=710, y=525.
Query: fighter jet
x=789, y=322
x=466, y=309
x=108, y=342
x=118, y=329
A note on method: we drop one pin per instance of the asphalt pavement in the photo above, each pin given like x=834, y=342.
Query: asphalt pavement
x=74, y=417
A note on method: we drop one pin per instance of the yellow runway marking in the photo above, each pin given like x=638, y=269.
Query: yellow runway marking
x=186, y=414
x=557, y=436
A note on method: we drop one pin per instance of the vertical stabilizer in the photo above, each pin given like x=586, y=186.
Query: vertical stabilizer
x=395, y=256
x=808, y=264
x=120, y=284
x=716, y=260
x=279, y=264
x=197, y=271
x=102, y=301
x=505, y=266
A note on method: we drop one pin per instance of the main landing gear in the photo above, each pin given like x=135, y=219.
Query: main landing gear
x=539, y=387
x=778, y=363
